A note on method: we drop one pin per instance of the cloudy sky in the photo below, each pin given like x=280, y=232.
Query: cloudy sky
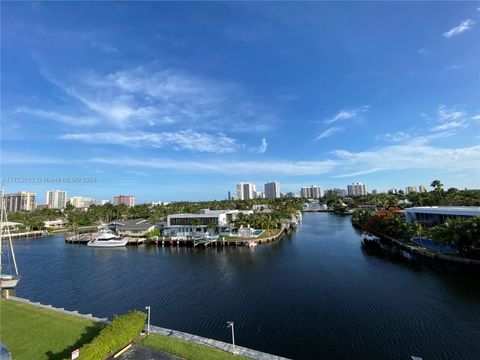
x=172, y=101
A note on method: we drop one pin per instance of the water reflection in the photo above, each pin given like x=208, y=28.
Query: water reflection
x=316, y=294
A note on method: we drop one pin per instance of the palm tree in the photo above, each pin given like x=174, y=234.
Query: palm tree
x=437, y=186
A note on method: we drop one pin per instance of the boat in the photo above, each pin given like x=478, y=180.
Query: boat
x=7, y=280
x=251, y=243
x=106, y=238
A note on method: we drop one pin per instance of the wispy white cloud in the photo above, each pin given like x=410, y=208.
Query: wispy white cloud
x=450, y=125
x=228, y=167
x=329, y=132
x=24, y=159
x=415, y=153
x=59, y=117
x=446, y=114
x=136, y=105
x=342, y=115
x=410, y=155
x=262, y=148
x=450, y=119
x=452, y=67
x=423, y=51
x=188, y=99
x=346, y=114
x=464, y=26
x=181, y=140
x=394, y=137
x=381, y=95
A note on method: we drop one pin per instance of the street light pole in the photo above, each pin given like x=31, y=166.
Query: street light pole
x=148, y=319
x=231, y=325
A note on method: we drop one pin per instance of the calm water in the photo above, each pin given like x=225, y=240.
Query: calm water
x=315, y=294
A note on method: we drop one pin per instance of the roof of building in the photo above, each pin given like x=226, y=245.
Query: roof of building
x=453, y=210
x=135, y=224
x=11, y=223
x=196, y=215
x=55, y=222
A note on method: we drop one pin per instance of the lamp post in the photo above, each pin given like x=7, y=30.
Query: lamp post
x=148, y=319
x=230, y=325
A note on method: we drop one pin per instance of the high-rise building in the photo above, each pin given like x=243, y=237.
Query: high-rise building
x=81, y=202
x=357, y=189
x=272, y=190
x=128, y=200
x=21, y=201
x=229, y=197
x=410, y=189
x=340, y=192
x=393, y=191
x=245, y=191
x=312, y=192
x=317, y=192
x=56, y=199
x=422, y=189
x=291, y=195
x=259, y=195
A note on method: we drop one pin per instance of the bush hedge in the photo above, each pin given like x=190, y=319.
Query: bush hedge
x=118, y=333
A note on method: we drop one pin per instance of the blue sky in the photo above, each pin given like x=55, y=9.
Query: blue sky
x=180, y=101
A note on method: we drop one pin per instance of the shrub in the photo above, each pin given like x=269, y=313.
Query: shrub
x=118, y=333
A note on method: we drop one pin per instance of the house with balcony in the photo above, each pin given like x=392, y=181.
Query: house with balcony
x=436, y=215
x=206, y=221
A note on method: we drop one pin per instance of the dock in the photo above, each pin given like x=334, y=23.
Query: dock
x=221, y=241
x=26, y=234
x=85, y=238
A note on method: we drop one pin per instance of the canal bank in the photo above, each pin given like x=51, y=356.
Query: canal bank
x=38, y=310
x=313, y=294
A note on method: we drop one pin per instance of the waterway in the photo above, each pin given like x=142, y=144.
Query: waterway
x=316, y=294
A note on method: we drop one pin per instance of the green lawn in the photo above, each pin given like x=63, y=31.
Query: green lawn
x=31, y=332
x=269, y=232
x=187, y=350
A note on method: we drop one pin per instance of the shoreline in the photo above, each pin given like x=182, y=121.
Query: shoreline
x=191, y=338
x=430, y=254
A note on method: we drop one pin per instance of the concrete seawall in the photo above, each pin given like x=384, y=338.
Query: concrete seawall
x=432, y=255
x=60, y=310
x=239, y=350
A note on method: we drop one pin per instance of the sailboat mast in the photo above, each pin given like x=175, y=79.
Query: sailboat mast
x=4, y=220
x=1, y=227
x=10, y=244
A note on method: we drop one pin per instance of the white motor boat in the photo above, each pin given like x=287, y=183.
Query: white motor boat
x=106, y=238
x=251, y=243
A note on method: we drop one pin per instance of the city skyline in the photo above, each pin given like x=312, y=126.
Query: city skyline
x=243, y=191
x=175, y=103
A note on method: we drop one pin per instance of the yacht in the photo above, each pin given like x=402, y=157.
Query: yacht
x=106, y=238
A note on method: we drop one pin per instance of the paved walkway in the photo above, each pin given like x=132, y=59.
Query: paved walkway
x=239, y=350
x=140, y=352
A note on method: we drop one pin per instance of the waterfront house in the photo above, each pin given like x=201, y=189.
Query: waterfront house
x=212, y=221
x=131, y=228
x=435, y=215
x=55, y=224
